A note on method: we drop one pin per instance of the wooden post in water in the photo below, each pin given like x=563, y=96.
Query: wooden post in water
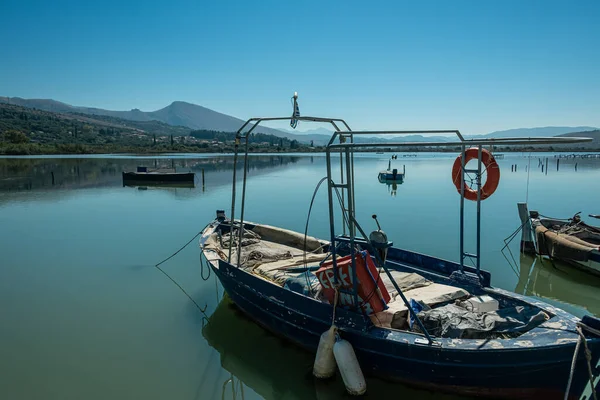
x=546, y=165
x=527, y=237
x=575, y=166
x=202, y=179
x=557, y=163
x=52, y=177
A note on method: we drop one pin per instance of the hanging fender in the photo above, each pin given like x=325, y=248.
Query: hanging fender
x=491, y=167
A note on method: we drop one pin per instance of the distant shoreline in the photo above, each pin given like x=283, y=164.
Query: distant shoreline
x=32, y=149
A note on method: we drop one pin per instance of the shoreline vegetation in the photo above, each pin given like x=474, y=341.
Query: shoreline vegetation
x=31, y=149
x=29, y=131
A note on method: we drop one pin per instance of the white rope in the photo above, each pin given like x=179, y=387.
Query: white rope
x=588, y=357
x=573, y=362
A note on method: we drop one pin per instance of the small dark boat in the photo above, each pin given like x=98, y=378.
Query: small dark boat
x=162, y=176
x=410, y=317
x=571, y=240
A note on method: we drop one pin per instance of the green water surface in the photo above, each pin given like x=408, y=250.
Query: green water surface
x=85, y=315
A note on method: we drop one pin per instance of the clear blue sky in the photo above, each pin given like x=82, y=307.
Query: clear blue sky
x=477, y=66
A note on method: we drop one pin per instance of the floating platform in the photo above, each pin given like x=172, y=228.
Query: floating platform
x=142, y=175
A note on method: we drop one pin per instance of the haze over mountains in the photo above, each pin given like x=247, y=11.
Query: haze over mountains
x=193, y=116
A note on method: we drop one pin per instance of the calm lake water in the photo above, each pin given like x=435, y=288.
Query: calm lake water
x=85, y=315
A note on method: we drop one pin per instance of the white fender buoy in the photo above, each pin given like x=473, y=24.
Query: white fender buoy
x=349, y=368
x=324, y=366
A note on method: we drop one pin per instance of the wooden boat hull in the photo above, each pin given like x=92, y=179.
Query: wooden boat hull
x=532, y=366
x=549, y=243
x=156, y=177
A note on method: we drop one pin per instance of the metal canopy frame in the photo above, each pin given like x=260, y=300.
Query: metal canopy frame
x=347, y=147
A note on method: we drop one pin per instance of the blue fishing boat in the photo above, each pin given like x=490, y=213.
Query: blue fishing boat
x=391, y=174
x=410, y=317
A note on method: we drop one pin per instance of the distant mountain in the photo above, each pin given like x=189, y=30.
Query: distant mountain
x=595, y=135
x=317, y=131
x=178, y=113
x=535, y=132
x=193, y=116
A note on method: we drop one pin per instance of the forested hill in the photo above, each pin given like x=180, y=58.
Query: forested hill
x=31, y=131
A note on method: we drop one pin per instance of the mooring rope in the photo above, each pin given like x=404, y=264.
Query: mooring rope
x=588, y=357
x=507, y=242
x=183, y=290
x=184, y=246
x=157, y=266
x=202, y=269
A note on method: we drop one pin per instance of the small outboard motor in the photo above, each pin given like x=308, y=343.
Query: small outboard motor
x=221, y=215
x=379, y=241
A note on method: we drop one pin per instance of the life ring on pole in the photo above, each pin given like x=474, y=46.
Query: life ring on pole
x=491, y=167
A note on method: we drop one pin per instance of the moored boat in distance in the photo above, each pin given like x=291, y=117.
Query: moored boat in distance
x=409, y=317
x=157, y=176
x=392, y=174
x=569, y=240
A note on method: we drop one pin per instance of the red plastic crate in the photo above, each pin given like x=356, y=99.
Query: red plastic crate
x=367, y=275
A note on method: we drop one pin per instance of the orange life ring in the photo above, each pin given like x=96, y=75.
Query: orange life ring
x=491, y=167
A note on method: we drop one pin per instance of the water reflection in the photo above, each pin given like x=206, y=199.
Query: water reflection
x=69, y=173
x=392, y=186
x=61, y=176
x=275, y=369
x=558, y=281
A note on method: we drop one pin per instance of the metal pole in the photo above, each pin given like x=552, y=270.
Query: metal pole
x=342, y=182
x=350, y=190
x=235, y=156
x=351, y=228
x=352, y=178
x=462, y=207
x=243, y=205
x=478, y=208
x=394, y=283
x=331, y=216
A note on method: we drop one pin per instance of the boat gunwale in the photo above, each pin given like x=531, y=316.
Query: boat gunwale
x=539, y=337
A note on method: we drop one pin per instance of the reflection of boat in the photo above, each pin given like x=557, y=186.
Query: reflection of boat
x=558, y=282
x=392, y=175
x=256, y=358
x=262, y=268
x=392, y=186
x=572, y=240
x=143, y=175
